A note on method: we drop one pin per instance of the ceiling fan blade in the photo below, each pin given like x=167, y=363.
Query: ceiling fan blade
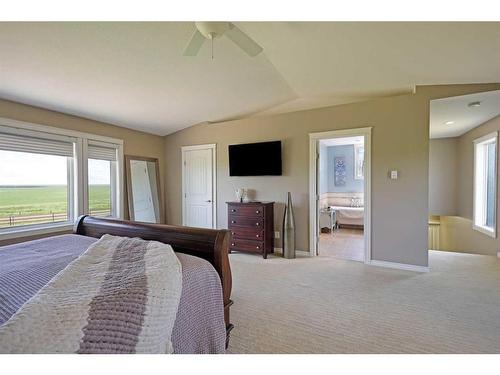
x=194, y=44
x=243, y=41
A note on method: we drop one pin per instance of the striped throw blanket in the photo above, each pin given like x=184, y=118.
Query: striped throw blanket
x=119, y=296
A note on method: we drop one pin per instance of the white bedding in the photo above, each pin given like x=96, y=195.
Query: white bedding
x=349, y=215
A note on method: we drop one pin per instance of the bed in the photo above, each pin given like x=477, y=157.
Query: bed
x=202, y=323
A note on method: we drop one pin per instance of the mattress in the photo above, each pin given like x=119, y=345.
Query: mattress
x=199, y=326
x=350, y=215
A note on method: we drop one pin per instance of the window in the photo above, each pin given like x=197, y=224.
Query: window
x=359, y=161
x=36, y=178
x=485, y=184
x=41, y=175
x=102, y=179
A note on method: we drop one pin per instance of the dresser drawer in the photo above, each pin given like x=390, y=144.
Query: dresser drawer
x=253, y=211
x=243, y=221
x=247, y=233
x=246, y=245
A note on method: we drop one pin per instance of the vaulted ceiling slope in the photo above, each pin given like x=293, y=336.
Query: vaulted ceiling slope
x=135, y=75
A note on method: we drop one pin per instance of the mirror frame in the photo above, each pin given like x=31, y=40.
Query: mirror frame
x=129, y=158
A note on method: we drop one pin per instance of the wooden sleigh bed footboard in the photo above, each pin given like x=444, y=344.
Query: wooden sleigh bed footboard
x=209, y=244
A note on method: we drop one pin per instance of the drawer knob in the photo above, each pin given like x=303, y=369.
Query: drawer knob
x=233, y=222
x=233, y=210
x=232, y=244
x=257, y=212
x=233, y=233
x=257, y=224
x=257, y=247
x=257, y=235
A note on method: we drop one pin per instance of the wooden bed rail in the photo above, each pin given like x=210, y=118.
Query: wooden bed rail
x=209, y=244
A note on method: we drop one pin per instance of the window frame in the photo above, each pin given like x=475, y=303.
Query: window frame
x=359, y=176
x=116, y=170
x=482, y=142
x=78, y=176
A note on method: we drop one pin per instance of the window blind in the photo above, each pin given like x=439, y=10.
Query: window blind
x=101, y=151
x=62, y=146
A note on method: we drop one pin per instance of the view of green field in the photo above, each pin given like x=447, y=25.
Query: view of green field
x=21, y=201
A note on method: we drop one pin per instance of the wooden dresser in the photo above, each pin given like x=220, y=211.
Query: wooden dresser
x=251, y=226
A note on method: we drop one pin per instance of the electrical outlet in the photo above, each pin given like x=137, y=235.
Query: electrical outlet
x=277, y=234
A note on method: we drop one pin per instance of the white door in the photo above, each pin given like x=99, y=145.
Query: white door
x=198, y=186
x=141, y=192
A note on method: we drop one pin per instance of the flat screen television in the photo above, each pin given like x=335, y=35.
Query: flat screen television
x=255, y=159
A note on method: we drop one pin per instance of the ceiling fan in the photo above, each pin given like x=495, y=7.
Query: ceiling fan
x=214, y=30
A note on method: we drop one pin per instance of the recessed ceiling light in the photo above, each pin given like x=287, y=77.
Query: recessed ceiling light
x=474, y=104
x=449, y=122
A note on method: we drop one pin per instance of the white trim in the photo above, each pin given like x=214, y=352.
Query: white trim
x=54, y=130
x=37, y=229
x=213, y=147
x=84, y=184
x=484, y=230
x=486, y=137
x=314, y=139
x=79, y=178
x=491, y=232
x=399, y=266
x=120, y=170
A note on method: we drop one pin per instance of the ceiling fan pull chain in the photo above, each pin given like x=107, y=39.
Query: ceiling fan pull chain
x=212, y=39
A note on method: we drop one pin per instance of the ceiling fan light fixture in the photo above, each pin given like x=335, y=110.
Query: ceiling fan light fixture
x=212, y=30
x=474, y=104
x=449, y=122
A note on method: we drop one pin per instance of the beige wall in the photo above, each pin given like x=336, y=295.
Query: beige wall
x=400, y=141
x=135, y=143
x=443, y=177
x=456, y=232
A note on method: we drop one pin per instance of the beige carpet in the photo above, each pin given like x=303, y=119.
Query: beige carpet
x=343, y=243
x=326, y=305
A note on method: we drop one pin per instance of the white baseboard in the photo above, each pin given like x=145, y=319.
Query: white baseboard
x=399, y=266
x=279, y=250
x=377, y=263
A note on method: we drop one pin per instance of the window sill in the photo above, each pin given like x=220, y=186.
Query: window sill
x=485, y=230
x=7, y=234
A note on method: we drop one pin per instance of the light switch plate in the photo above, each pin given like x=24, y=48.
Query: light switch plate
x=394, y=175
x=277, y=234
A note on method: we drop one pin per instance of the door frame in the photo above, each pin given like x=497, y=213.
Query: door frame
x=314, y=139
x=213, y=148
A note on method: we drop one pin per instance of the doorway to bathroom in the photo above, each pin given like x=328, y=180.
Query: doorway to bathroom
x=340, y=204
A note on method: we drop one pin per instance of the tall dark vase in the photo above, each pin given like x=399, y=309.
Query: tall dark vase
x=289, y=230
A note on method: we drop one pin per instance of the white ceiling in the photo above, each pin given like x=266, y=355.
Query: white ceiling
x=464, y=118
x=134, y=74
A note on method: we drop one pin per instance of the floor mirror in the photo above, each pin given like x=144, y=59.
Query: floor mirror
x=143, y=189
